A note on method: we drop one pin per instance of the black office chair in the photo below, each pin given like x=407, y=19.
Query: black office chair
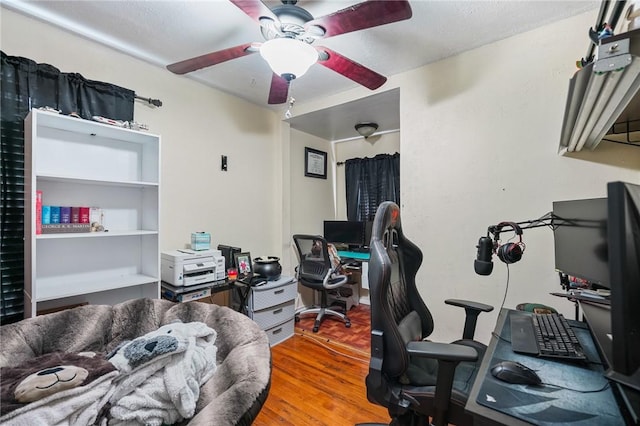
x=315, y=271
x=415, y=379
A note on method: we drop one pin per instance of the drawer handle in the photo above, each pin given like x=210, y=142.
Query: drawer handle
x=279, y=291
x=277, y=311
x=277, y=331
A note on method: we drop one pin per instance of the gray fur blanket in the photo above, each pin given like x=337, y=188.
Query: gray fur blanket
x=232, y=396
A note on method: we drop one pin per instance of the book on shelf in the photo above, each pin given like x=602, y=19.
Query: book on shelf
x=75, y=214
x=84, y=214
x=55, y=214
x=46, y=214
x=60, y=228
x=65, y=214
x=38, y=212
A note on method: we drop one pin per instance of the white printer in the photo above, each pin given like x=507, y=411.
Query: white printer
x=189, y=267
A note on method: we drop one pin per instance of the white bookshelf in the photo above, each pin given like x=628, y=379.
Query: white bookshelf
x=77, y=162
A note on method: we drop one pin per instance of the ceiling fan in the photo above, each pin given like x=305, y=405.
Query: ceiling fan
x=289, y=32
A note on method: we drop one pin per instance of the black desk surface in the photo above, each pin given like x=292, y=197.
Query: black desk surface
x=495, y=402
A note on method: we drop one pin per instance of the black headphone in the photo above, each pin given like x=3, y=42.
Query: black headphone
x=509, y=252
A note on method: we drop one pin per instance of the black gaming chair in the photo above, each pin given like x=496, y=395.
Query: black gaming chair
x=316, y=271
x=418, y=381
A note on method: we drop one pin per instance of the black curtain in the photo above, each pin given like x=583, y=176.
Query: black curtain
x=26, y=84
x=369, y=182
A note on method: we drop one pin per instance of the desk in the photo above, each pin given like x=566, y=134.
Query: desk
x=493, y=402
x=194, y=292
x=362, y=258
x=354, y=255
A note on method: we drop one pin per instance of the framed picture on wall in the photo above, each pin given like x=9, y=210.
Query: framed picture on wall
x=315, y=163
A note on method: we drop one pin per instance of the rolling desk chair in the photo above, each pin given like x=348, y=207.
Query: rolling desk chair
x=415, y=379
x=315, y=270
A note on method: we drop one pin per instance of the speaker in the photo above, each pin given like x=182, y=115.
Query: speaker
x=510, y=252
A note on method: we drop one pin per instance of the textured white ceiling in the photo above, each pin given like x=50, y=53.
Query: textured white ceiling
x=164, y=32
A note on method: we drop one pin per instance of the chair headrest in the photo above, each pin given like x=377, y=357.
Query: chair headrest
x=387, y=218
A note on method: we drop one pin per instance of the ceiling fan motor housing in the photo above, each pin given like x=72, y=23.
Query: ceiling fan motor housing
x=292, y=19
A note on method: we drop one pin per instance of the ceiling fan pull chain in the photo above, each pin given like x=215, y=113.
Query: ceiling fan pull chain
x=292, y=101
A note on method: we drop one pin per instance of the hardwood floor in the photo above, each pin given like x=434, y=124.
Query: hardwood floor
x=319, y=381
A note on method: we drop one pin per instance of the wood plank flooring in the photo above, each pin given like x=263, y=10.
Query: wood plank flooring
x=319, y=381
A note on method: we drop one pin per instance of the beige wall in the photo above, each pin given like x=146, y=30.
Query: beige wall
x=479, y=140
x=479, y=145
x=311, y=198
x=197, y=124
x=482, y=132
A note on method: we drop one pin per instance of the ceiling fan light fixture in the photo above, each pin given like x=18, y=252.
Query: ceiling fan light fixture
x=366, y=129
x=288, y=56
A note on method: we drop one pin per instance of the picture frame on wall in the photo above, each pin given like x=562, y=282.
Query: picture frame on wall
x=243, y=263
x=315, y=163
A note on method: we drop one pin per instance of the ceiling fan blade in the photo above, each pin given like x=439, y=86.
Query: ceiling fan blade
x=255, y=9
x=193, y=64
x=363, y=15
x=279, y=90
x=350, y=69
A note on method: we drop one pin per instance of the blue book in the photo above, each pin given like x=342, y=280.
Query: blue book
x=65, y=214
x=55, y=214
x=46, y=215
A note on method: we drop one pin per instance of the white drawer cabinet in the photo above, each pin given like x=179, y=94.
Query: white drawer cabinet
x=272, y=307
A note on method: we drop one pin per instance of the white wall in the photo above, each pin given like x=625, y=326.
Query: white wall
x=479, y=142
x=482, y=130
x=197, y=124
x=311, y=198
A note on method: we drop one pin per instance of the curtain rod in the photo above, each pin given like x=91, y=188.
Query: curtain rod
x=341, y=163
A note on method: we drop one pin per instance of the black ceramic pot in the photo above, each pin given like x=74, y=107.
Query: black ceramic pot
x=268, y=267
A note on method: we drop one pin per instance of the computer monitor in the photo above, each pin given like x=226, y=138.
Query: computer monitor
x=580, y=239
x=368, y=227
x=624, y=266
x=345, y=232
x=228, y=254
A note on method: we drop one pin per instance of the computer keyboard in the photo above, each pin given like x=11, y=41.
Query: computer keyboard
x=545, y=335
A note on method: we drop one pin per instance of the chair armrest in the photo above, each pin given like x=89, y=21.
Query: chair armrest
x=448, y=356
x=442, y=351
x=472, y=310
x=469, y=304
x=330, y=286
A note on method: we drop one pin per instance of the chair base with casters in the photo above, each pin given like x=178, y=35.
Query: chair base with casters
x=322, y=311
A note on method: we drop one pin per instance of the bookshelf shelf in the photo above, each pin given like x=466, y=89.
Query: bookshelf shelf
x=80, y=180
x=76, y=162
x=110, y=234
x=56, y=288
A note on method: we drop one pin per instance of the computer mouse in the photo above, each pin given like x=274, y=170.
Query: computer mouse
x=514, y=372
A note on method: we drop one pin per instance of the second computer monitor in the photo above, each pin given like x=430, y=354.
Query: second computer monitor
x=580, y=238
x=345, y=233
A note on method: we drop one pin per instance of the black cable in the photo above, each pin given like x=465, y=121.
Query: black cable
x=506, y=289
